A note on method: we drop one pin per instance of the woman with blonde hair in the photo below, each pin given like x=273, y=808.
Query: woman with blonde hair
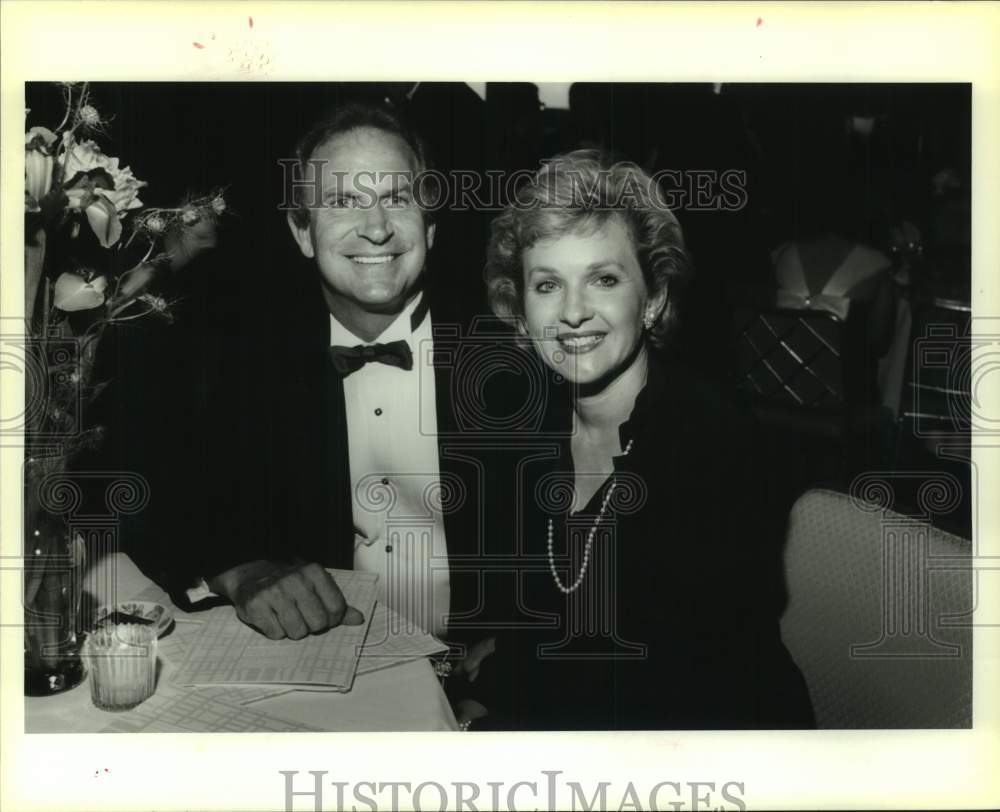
x=649, y=584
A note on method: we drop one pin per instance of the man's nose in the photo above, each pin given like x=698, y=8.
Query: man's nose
x=376, y=226
x=575, y=306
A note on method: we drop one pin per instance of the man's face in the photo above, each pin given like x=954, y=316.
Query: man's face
x=368, y=236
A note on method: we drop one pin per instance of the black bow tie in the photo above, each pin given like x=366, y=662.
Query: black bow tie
x=350, y=359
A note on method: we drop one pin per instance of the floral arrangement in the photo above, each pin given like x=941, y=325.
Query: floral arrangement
x=94, y=257
x=74, y=193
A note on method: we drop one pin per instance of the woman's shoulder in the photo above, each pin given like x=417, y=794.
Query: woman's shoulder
x=706, y=450
x=682, y=396
x=696, y=432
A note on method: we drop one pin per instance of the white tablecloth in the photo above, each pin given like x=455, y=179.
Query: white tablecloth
x=405, y=697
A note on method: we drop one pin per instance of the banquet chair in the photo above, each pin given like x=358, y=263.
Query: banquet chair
x=937, y=398
x=805, y=368
x=810, y=380
x=879, y=613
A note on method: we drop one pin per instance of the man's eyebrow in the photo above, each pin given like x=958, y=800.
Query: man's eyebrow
x=339, y=192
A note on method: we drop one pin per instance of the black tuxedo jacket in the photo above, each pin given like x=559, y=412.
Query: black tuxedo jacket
x=263, y=471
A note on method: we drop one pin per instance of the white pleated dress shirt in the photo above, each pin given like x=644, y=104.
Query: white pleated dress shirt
x=395, y=475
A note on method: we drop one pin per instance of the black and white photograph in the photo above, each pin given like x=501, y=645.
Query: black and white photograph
x=512, y=413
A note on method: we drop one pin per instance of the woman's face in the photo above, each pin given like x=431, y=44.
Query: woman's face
x=584, y=301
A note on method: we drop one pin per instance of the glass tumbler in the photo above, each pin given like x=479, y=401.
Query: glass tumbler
x=122, y=662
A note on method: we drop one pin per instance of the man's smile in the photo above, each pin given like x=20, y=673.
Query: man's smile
x=372, y=259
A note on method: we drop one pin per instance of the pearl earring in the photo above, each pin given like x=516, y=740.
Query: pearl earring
x=647, y=320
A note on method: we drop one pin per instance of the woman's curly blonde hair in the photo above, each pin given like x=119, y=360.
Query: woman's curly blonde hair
x=579, y=192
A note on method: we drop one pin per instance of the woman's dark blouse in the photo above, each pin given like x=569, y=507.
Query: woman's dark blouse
x=675, y=625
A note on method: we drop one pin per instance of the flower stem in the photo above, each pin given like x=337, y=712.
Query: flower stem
x=120, y=319
x=69, y=107
x=46, y=310
x=34, y=265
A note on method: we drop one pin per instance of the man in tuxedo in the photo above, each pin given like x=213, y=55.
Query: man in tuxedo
x=340, y=459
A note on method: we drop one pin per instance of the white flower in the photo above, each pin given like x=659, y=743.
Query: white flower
x=85, y=157
x=39, y=163
x=97, y=185
x=219, y=204
x=72, y=292
x=38, y=137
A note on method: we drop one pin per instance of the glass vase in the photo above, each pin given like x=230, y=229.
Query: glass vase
x=53, y=582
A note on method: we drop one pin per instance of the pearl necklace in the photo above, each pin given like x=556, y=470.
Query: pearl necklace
x=566, y=590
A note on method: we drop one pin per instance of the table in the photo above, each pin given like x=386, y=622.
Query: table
x=404, y=697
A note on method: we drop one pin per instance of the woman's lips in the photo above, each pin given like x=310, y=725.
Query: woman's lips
x=579, y=344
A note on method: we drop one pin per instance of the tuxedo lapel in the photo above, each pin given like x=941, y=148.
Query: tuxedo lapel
x=312, y=444
x=459, y=517
x=340, y=510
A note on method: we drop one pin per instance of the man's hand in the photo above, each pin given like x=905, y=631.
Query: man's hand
x=285, y=600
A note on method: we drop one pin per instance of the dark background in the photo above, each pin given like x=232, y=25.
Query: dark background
x=806, y=165
x=794, y=141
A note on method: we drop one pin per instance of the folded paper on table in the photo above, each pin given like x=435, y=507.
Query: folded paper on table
x=393, y=640
x=389, y=643
x=174, y=649
x=223, y=650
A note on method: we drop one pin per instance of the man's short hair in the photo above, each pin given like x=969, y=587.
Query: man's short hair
x=354, y=115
